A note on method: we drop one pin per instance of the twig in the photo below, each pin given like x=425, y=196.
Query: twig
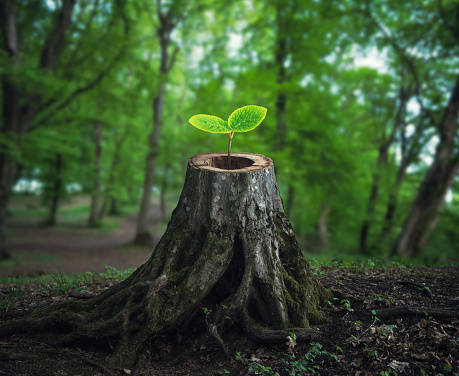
x=367, y=329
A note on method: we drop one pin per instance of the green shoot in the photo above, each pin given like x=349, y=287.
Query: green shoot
x=243, y=119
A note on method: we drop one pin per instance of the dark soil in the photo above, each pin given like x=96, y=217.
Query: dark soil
x=355, y=341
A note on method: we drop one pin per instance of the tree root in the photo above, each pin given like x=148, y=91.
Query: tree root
x=6, y=356
x=270, y=336
x=92, y=363
x=82, y=294
x=424, y=290
x=415, y=311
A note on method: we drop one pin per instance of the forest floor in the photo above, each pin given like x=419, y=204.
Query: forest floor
x=355, y=340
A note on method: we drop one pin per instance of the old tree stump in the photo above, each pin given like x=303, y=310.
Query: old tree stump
x=228, y=247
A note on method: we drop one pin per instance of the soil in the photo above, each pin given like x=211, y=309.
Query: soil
x=355, y=340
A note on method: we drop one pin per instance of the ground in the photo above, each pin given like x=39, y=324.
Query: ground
x=355, y=341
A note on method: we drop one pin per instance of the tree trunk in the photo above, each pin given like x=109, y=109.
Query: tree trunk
x=108, y=196
x=93, y=220
x=143, y=236
x=19, y=108
x=164, y=187
x=228, y=247
x=366, y=225
x=429, y=201
x=322, y=227
x=56, y=190
x=7, y=176
x=168, y=22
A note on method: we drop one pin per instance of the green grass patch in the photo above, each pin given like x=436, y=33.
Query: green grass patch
x=13, y=289
x=361, y=263
x=78, y=281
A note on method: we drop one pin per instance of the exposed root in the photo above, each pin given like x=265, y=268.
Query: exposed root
x=6, y=356
x=424, y=290
x=213, y=330
x=270, y=336
x=416, y=311
x=82, y=294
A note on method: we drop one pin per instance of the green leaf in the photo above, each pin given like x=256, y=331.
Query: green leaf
x=246, y=118
x=210, y=123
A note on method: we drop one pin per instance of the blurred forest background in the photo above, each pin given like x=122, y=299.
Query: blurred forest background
x=362, y=123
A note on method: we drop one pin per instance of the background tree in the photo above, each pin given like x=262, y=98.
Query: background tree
x=42, y=49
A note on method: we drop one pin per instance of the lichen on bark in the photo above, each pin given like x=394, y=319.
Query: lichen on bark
x=228, y=247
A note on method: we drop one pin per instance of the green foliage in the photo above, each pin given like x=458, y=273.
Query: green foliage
x=10, y=297
x=305, y=364
x=243, y=119
x=254, y=366
x=319, y=61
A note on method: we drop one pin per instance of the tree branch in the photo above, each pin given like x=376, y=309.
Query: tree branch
x=454, y=29
x=79, y=91
x=54, y=42
x=172, y=59
x=404, y=56
x=91, y=84
x=72, y=59
x=9, y=28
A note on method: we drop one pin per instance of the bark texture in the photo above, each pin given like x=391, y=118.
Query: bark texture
x=228, y=247
x=167, y=23
x=424, y=214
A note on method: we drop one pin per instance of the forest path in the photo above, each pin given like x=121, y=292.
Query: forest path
x=40, y=250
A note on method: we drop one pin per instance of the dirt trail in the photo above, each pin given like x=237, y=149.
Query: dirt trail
x=37, y=250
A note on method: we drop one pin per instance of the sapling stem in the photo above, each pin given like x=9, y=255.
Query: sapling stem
x=230, y=135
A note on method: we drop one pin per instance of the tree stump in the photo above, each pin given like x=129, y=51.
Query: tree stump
x=228, y=247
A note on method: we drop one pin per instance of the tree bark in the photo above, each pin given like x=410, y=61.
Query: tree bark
x=429, y=201
x=18, y=111
x=366, y=225
x=56, y=190
x=93, y=220
x=322, y=227
x=168, y=22
x=228, y=247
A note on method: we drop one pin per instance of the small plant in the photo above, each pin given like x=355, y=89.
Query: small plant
x=64, y=283
x=12, y=296
x=389, y=372
x=305, y=364
x=346, y=304
x=206, y=310
x=243, y=119
x=255, y=368
x=373, y=315
x=386, y=298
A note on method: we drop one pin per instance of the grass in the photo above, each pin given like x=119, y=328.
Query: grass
x=361, y=263
x=74, y=282
x=12, y=290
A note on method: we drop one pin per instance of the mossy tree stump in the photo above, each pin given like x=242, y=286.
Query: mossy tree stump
x=228, y=247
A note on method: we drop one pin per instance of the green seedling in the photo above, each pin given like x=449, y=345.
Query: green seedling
x=243, y=119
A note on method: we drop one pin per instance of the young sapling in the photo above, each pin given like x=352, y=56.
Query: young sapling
x=243, y=119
